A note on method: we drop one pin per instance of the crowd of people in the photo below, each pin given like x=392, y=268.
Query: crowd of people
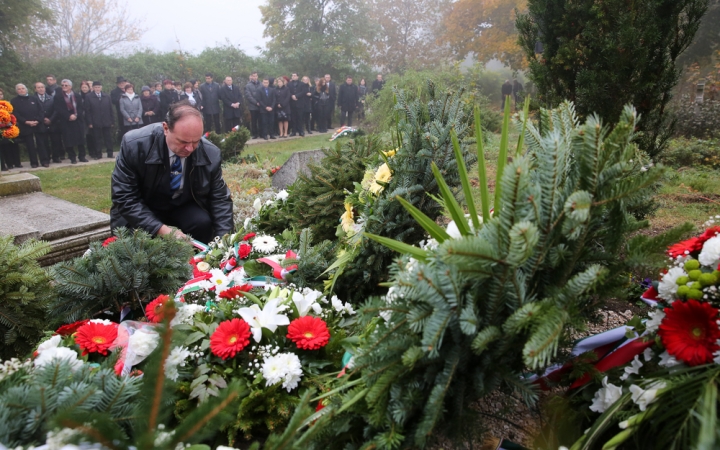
x=58, y=122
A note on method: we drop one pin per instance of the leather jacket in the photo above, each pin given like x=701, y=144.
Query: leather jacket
x=140, y=169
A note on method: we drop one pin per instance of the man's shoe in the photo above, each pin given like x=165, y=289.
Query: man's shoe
x=97, y=157
x=34, y=166
x=302, y=134
x=18, y=166
x=83, y=160
x=273, y=137
x=266, y=138
x=293, y=135
x=4, y=169
x=72, y=161
x=110, y=155
x=309, y=132
x=56, y=161
x=46, y=165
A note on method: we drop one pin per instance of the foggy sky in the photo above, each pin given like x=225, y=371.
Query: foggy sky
x=198, y=24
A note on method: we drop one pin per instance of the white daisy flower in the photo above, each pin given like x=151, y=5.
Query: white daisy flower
x=219, y=280
x=264, y=244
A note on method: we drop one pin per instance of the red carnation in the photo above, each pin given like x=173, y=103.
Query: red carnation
x=109, y=241
x=229, y=338
x=235, y=291
x=690, y=331
x=154, y=310
x=308, y=333
x=248, y=236
x=692, y=245
x=96, y=337
x=244, y=250
x=67, y=330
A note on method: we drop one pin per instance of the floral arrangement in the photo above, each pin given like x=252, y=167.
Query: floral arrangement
x=272, y=171
x=8, y=122
x=656, y=386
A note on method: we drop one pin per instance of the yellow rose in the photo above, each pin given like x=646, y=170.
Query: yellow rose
x=383, y=174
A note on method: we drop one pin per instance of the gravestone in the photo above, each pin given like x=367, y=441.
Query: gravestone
x=298, y=163
x=27, y=213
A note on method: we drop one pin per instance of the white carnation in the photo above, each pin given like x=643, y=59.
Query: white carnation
x=667, y=288
x=710, y=253
x=102, y=321
x=53, y=342
x=282, y=195
x=143, y=342
x=56, y=355
x=185, y=314
x=656, y=317
x=282, y=367
x=605, y=396
x=175, y=359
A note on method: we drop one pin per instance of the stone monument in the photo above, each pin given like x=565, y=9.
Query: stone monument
x=298, y=163
x=28, y=213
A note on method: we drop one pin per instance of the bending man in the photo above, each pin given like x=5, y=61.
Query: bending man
x=167, y=175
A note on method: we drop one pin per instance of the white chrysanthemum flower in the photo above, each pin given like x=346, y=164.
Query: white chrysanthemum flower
x=282, y=367
x=633, y=368
x=102, y=321
x=53, y=342
x=143, y=342
x=644, y=397
x=605, y=396
x=667, y=360
x=185, y=314
x=667, y=288
x=338, y=305
x=656, y=317
x=272, y=370
x=57, y=354
x=282, y=195
x=710, y=253
x=176, y=359
x=219, y=280
x=264, y=244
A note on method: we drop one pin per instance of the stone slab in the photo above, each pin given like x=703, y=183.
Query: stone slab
x=73, y=246
x=19, y=183
x=298, y=163
x=52, y=217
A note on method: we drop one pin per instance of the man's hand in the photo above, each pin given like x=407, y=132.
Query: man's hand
x=90, y=126
x=268, y=108
x=167, y=230
x=46, y=121
x=73, y=117
x=293, y=97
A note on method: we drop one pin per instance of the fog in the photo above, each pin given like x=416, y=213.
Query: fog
x=192, y=25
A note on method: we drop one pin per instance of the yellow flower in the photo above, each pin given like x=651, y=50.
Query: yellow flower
x=383, y=174
x=6, y=105
x=390, y=153
x=202, y=266
x=346, y=219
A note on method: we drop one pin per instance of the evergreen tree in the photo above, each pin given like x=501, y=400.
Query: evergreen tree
x=24, y=296
x=602, y=56
x=127, y=273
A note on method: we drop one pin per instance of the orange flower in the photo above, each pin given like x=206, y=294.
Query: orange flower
x=11, y=133
x=6, y=105
x=4, y=117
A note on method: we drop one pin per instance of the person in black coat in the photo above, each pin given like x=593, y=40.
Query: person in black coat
x=332, y=92
x=99, y=117
x=71, y=117
x=347, y=100
x=300, y=97
x=192, y=96
x=251, y=89
x=506, y=90
x=377, y=85
x=167, y=97
x=282, y=107
x=167, y=175
x=85, y=89
x=232, y=100
x=322, y=105
x=51, y=134
x=115, y=95
x=150, y=105
x=30, y=120
x=210, y=92
x=266, y=99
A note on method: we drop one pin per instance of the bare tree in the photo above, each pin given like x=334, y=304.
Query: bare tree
x=87, y=27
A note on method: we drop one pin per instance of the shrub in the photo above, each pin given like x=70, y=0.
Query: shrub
x=230, y=144
x=682, y=152
x=24, y=295
x=128, y=272
x=699, y=120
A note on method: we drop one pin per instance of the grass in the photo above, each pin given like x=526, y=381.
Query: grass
x=687, y=194
x=90, y=185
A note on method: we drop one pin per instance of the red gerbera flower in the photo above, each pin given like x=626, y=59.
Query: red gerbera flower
x=96, y=337
x=248, y=236
x=308, y=333
x=109, y=241
x=692, y=245
x=67, y=330
x=244, y=250
x=229, y=338
x=154, y=310
x=690, y=331
x=235, y=291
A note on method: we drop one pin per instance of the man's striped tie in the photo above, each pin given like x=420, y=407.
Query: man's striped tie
x=175, y=174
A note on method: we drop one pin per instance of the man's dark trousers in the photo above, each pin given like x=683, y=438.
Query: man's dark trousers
x=191, y=219
x=210, y=119
x=349, y=118
x=103, y=134
x=34, y=150
x=231, y=123
x=255, y=123
x=267, y=123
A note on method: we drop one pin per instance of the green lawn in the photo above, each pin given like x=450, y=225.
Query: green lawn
x=277, y=151
x=85, y=185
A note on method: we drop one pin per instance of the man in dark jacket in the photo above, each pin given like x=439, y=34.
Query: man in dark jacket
x=99, y=117
x=251, y=89
x=266, y=102
x=232, y=101
x=30, y=120
x=167, y=175
x=332, y=91
x=71, y=120
x=378, y=84
x=168, y=96
x=296, y=114
x=506, y=90
x=51, y=134
x=115, y=95
x=210, y=92
x=347, y=100
x=52, y=86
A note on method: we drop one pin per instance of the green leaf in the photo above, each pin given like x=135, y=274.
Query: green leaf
x=464, y=180
x=456, y=212
x=434, y=230
x=521, y=139
x=707, y=416
x=399, y=247
x=502, y=156
x=577, y=206
x=482, y=171
x=194, y=337
x=485, y=338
